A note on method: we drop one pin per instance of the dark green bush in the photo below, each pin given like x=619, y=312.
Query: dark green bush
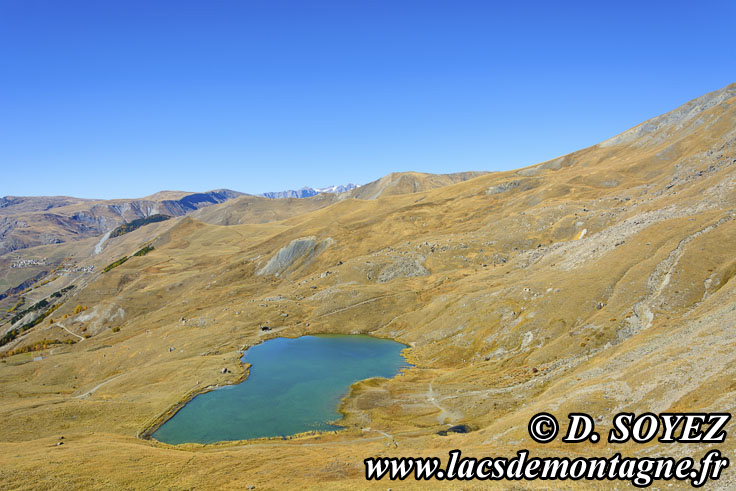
x=137, y=223
x=115, y=264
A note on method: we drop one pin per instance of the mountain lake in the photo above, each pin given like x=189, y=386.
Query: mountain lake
x=293, y=386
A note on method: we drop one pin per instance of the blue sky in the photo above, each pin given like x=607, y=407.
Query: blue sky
x=115, y=99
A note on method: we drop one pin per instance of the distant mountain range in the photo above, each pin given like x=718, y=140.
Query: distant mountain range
x=28, y=221
x=307, y=192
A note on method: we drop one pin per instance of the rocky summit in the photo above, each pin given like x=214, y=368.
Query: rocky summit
x=598, y=282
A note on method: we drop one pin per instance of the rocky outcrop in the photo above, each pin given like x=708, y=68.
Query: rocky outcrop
x=298, y=253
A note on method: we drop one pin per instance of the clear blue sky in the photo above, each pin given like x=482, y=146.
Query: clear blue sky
x=124, y=98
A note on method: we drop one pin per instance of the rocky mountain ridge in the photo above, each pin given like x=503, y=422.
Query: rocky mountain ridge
x=307, y=192
x=33, y=221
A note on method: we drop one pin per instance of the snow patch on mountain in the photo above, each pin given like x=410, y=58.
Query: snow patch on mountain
x=306, y=191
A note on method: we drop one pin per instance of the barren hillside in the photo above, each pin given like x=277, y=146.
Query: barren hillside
x=40, y=220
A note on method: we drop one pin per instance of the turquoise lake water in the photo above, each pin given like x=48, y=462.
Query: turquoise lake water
x=294, y=385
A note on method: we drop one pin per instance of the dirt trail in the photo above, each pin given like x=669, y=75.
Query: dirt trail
x=373, y=299
x=93, y=389
x=81, y=338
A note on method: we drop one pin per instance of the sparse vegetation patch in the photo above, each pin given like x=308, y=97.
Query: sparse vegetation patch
x=144, y=251
x=37, y=346
x=115, y=264
x=137, y=223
